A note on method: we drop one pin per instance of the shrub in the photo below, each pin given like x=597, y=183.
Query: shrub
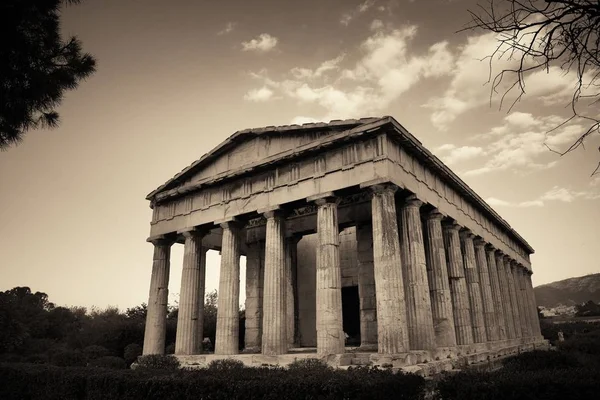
x=157, y=362
x=540, y=360
x=170, y=349
x=132, y=352
x=226, y=364
x=68, y=358
x=110, y=362
x=310, y=365
x=92, y=352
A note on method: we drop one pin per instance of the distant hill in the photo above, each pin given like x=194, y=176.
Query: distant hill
x=569, y=292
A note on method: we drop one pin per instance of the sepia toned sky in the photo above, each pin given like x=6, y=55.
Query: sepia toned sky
x=176, y=78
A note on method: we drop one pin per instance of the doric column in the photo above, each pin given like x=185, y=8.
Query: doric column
x=489, y=312
x=523, y=302
x=496, y=292
x=156, y=318
x=291, y=244
x=458, y=284
x=187, y=340
x=392, y=336
x=330, y=331
x=228, y=302
x=366, y=286
x=254, y=296
x=439, y=286
x=473, y=286
x=419, y=319
x=274, y=339
x=505, y=292
x=513, y=297
x=536, y=330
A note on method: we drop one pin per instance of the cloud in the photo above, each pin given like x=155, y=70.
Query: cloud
x=455, y=154
x=299, y=120
x=228, y=28
x=259, y=95
x=363, y=7
x=522, y=143
x=376, y=25
x=263, y=43
x=326, y=66
x=557, y=194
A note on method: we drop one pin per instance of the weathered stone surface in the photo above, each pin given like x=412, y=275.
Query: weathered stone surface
x=191, y=297
x=533, y=306
x=513, y=297
x=366, y=286
x=228, y=322
x=505, y=292
x=254, y=296
x=489, y=312
x=439, y=286
x=473, y=286
x=156, y=319
x=419, y=319
x=458, y=284
x=291, y=265
x=274, y=339
x=523, y=302
x=330, y=332
x=496, y=293
x=392, y=335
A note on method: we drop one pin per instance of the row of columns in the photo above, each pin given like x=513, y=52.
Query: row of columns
x=424, y=283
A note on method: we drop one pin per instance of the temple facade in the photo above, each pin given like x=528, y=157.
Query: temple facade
x=357, y=240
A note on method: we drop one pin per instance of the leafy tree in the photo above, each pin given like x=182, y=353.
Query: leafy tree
x=36, y=66
x=587, y=309
x=538, y=35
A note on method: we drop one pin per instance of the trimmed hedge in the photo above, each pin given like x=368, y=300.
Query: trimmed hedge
x=27, y=381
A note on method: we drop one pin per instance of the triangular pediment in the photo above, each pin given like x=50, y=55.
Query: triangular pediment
x=248, y=148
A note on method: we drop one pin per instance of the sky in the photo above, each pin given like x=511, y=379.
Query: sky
x=176, y=78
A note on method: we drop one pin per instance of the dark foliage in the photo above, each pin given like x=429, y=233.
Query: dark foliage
x=36, y=66
x=157, y=362
x=109, y=362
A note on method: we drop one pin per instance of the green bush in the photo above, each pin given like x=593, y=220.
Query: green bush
x=157, y=362
x=110, y=362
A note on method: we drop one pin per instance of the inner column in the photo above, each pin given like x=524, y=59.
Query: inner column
x=366, y=287
x=474, y=288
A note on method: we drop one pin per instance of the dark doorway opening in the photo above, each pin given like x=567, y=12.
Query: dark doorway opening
x=351, y=315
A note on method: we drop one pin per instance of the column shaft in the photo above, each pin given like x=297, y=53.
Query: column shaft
x=274, y=340
x=366, y=286
x=392, y=336
x=330, y=331
x=439, y=286
x=290, y=271
x=523, y=302
x=489, y=312
x=536, y=330
x=458, y=285
x=227, y=335
x=505, y=292
x=474, y=288
x=421, y=335
x=496, y=293
x=156, y=319
x=513, y=297
x=254, y=296
x=187, y=340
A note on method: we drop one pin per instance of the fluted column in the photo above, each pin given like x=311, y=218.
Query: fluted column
x=366, y=286
x=274, y=339
x=523, y=303
x=489, y=312
x=513, y=297
x=290, y=282
x=228, y=322
x=458, y=284
x=254, y=296
x=156, y=318
x=505, y=292
x=419, y=319
x=392, y=335
x=439, y=286
x=187, y=340
x=473, y=286
x=496, y=292
x=330, y=331
x=536, y=330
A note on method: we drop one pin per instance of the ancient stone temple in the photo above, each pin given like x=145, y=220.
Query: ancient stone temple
x=360, y=245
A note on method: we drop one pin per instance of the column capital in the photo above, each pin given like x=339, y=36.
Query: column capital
x=479, y=242
x=161, y=240
x=412, y=201
x=466, y=233
x=229, y=223
x=434, y=214
x=194, y=232
x=451, y=225
x=506, y=258
x=381, y=188
x=273, y=212
x=324, y=198
x=490, y=247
